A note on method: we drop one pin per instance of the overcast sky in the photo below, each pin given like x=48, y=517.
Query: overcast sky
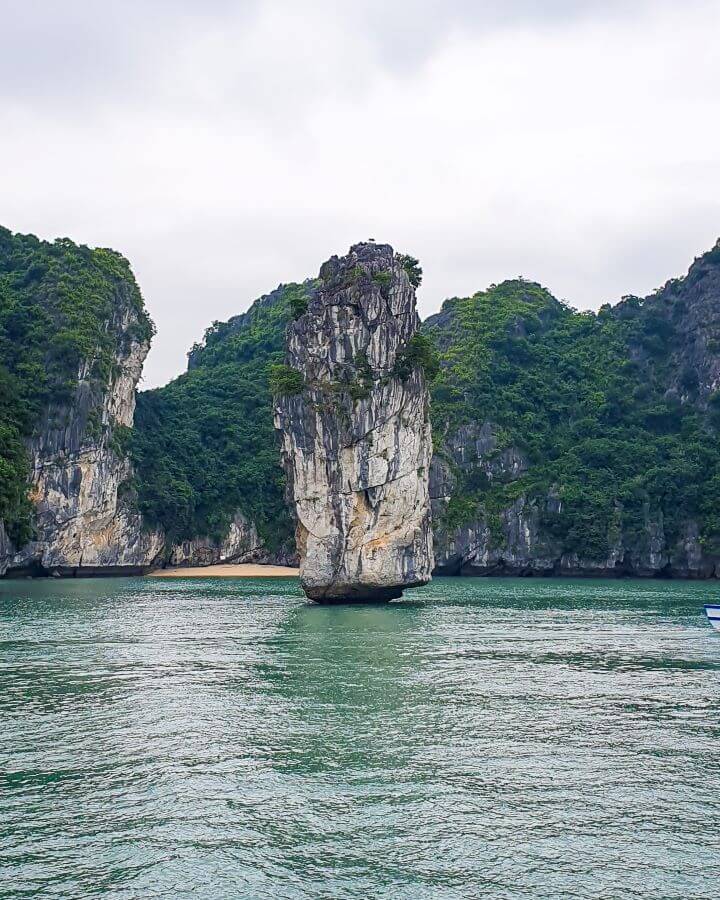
x=225, y=146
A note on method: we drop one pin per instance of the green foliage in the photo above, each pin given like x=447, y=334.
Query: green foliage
x=258, y=333
x=364, y=370
x=384, y=279
x=461, y=510
x=585, y=398
x=299, y=306
x=285, y=381
x=298, y=297
x=121, y=440
x=15, y=508
x=204, y=446
x=357, y=390
x=58, y=313
x=412, y=267
x=419, y=352
x=354, y=380
x=713, y=256
x=93, y=426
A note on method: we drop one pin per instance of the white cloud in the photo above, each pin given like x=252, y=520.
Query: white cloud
x=225, y=147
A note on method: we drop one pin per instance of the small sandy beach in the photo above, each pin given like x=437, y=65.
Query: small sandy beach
x=243, y=570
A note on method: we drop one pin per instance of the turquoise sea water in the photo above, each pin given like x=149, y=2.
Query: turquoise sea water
x=483, y=738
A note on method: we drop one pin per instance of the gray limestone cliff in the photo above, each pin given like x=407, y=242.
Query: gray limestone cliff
x=242, y=544
x=351, y=407
x=517, y=541
x=688, y=308
x=670, y=342
x=352, y=412
x=74, y=335
x=6, y=549
x=85, y=520
x=78, y=469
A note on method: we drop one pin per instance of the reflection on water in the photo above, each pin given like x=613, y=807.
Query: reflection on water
x=485, y=738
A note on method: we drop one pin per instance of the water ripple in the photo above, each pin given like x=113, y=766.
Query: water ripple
x=486, y=738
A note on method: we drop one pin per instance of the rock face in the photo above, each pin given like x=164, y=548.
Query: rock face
x=242, y=544
x=82, y=484
x=352, y=413
x=690, y=308
x=78, y=465
x=519, y=544
x=497, y=498
x=6, y=549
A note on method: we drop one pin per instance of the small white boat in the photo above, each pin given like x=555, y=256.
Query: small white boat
x=712, y=611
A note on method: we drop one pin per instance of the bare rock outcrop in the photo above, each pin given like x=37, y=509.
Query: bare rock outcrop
x=352, y=411
x=241, y=544
x=78, y=469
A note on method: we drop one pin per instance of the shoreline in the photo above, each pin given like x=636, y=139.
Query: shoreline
x=229, y=570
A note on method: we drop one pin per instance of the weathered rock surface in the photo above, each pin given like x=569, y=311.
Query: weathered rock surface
x=356, y=441
x=242, y=544
x=86, y=521
x=6, y=549
x=356, y=446
x=690, y=307
x=519, y=544
x=673, y=343
x=77, y=469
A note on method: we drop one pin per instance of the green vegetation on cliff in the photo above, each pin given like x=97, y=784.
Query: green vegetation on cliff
x=204, y=445
x=614, y=415
x=608, y=418
x=58, y=313
x=591, y=401
x=15, y=424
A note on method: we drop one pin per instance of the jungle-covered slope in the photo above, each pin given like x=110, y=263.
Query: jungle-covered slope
x=204, y=445
x=565, y=442
x=58, y=324
x=579, y=441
